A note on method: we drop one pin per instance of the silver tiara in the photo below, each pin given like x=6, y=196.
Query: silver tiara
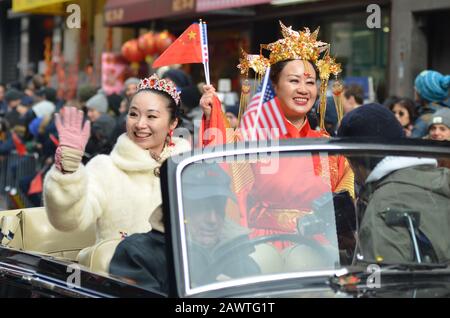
x=164, y=85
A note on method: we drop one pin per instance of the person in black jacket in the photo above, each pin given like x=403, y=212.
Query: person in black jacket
x=141, y=258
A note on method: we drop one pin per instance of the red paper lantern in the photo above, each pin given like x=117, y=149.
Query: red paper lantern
x=147, y=45
x=130, y=50
x=163, y=41
x=48, y=24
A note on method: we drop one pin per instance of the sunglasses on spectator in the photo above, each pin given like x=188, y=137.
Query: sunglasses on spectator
x=400, y=113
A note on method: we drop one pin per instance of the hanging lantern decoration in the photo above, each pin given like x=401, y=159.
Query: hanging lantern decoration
x=163, y=41
x=130, y=50
x=147, y=45
x=48, y=24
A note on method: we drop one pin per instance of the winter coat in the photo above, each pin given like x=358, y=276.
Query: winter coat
x=142, y=258
x=118, y=191
x=405, y=185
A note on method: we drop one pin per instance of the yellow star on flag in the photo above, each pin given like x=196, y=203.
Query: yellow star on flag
x=192, y=35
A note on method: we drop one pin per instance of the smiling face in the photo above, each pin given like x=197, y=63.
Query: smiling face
x=439, y=132
x=296, y=89
x=149, y=120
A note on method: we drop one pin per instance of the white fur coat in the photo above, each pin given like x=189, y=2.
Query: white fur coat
x=118, y=191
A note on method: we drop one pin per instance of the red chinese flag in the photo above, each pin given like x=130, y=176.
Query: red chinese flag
x=214, y=132
x=186, y=49
x=36, y=184
x=54, y=140
x=20, y=147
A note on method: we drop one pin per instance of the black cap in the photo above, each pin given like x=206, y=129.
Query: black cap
x=370, y=120
x=179, y=77
x=13, y=94
x=233, y=109
x=201, y=181
x=47, y=92
x=26, y=100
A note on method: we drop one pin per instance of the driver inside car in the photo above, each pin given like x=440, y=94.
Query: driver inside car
x=210, y=237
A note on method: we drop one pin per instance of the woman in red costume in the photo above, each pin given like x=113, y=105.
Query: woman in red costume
x=274, y=202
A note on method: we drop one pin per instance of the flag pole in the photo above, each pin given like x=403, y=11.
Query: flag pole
x=205, y=53
x=261, y=99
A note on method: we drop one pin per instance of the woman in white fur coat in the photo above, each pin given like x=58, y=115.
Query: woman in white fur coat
x=119, y=191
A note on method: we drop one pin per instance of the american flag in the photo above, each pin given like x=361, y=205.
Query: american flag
x=263, y=119
x=204, y=44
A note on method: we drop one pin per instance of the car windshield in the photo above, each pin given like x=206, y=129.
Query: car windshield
x=294, y=213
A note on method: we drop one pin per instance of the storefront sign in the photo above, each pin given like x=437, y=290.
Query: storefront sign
x=183, y=5
x=119, y=12
x=114, y=15
x=206, y=5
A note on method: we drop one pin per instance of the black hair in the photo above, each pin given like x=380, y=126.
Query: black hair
x=174, y=109
x=390, y=101
x=278, y=67
x=409, y=105
x=368, y=162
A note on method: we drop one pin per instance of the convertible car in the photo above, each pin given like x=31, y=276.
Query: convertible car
x=257, y=220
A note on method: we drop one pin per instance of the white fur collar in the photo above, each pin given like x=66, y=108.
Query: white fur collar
x=130, y=157
x=393, y=163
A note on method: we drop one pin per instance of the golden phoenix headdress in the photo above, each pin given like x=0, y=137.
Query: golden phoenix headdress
x=258, y=64
x=302, y=45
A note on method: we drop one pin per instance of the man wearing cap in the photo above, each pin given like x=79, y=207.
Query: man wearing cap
x=431, y=94
x=439, y=126
x=206, y=189
x=395, y=183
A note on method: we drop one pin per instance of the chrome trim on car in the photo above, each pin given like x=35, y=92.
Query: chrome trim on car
x=248, y=149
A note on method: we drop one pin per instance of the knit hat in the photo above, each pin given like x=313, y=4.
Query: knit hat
x=98, y=102
x=26, y=100
x=233, y=109
x=85, y=92
x=131, y=80
x=44, y=108
x=190, y=96
x=179, y=77
x=442, y=116
x=370, y=120
x=432, y=85
x=48, y=93
x=13, y=94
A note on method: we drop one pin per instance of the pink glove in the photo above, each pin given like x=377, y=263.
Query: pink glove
x=70, y=130
x=72, y=139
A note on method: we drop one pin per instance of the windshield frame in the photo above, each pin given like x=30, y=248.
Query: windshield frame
x=329, y=146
